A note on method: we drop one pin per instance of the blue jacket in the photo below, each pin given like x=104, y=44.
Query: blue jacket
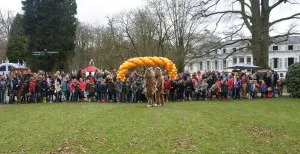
x=100, y=87
x=119, y=87
x=263, y=88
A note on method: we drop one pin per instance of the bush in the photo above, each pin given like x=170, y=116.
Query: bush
x=293, y=80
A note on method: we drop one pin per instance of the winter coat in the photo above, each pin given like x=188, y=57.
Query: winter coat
x=82, y=86
x=203, y=86
x=110, y=86
x=3, y=85
x=230, y=84
x=38, y=87
x=89, y=87
x=134, y=87
x=18, y=85
x=263, y=88
x=167, y=84
x=125, y=88
x=63, y=86
x=118, y=87
x=10, y=85
x=189, y=87
x=224, y=88
x=237, y=84
x=32, y=86
x=44, y=85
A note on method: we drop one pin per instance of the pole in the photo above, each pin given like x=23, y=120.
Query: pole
x=45, y=60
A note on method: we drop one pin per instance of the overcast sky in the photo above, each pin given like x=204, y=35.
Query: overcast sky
x=96, y=11
x=92, y=11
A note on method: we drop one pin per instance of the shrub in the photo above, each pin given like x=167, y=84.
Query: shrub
x=293, y=80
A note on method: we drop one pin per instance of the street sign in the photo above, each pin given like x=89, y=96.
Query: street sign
x=45, y=54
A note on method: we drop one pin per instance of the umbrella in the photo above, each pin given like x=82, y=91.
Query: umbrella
x=242, y=66
x=90, y=69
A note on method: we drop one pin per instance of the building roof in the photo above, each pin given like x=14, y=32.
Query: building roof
x=295, y=39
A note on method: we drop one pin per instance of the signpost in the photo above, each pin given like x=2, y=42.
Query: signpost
x=45, y=54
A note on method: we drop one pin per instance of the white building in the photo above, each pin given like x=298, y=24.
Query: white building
x=281, y=56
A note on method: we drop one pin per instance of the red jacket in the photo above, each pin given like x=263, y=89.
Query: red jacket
x=72, y=86
x=82, y=86
x=167, y=84
x=230, y=83
x=32, y=86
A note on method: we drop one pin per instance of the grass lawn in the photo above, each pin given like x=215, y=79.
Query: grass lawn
x=259, y=126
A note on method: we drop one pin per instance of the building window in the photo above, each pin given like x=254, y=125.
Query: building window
x=216, y=65
x=234, y=60
x=200, y=66
x=207, y=65
x=242, y=60
x=234, y=49
x=275, y=48
x=224, y=50
x=249, y=60
x=275, y=62
x=281, y=75
x=290, y=47
x=224, y=63
x=290, y=61
x=191, y=66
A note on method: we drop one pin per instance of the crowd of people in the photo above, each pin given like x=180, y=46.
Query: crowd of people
x=105, y=87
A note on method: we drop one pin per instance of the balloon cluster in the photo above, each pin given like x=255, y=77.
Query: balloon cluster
x=147, y=61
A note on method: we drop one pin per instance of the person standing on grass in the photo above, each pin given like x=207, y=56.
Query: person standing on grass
x=17, y=90
x=38, y=90
x=224, y=90
x=111, y=88
x=88, y=90
x=253, y=89
x=44, y=86
x=203, y=90
x=167, y=86
x=63, y=88
x=118, y=90
x=237, y=88
x=11, y=91
x=32, y=89
x=82, y=87
x=263, y=90
x=25, y=91
x=57, y=92
x=3, y=86
x=124, y=92
x=230, y=87
x=73, y=85
x=67, y=93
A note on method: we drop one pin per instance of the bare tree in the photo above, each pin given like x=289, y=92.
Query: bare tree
x=253, y=15
x=6, y=19
x=84, y=45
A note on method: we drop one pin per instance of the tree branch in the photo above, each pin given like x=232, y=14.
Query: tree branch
x=294, y=16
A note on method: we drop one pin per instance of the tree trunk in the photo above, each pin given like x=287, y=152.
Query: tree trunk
x=260, y=33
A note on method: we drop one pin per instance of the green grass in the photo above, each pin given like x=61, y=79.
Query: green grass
x=260, y=126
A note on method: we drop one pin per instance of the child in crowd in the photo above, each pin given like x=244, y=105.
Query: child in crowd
x=270, y=92
x=124, y=92
x=237, y=88
x=57, y=92
x=224, y=90
x=134, y=90
x=263, y=89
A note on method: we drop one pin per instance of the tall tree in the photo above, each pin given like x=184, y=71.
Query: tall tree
x=254, y=15
x=6, y=19
x=17, y=41
x=51, y=25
